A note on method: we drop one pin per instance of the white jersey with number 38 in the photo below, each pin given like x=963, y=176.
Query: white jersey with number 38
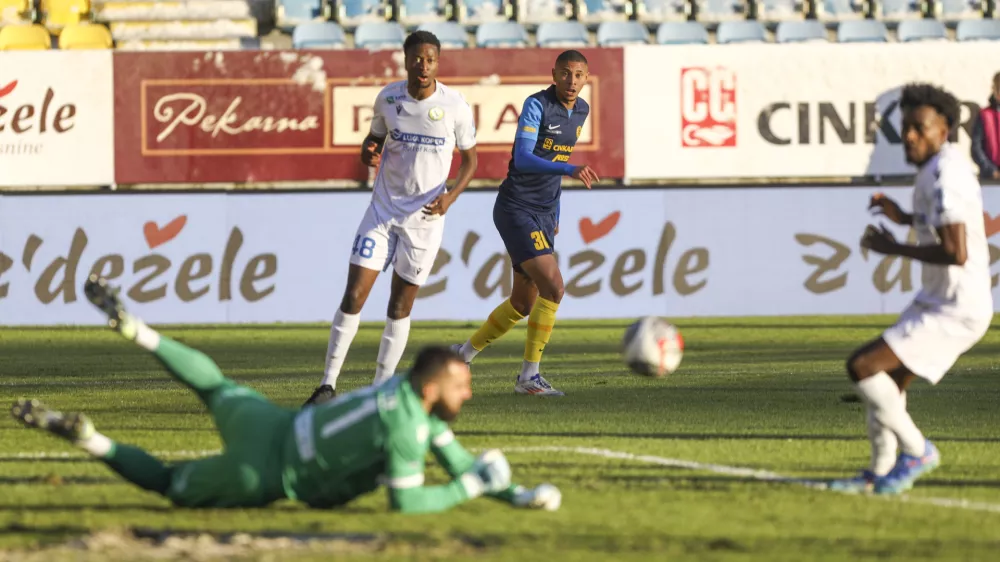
x=947, y=192
x=420, y=138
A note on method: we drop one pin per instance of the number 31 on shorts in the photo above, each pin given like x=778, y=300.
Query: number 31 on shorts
x=540, y=242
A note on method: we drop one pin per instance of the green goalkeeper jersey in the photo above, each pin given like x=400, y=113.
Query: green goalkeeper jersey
x=378, y=435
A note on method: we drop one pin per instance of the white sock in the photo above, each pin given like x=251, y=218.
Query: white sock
x=468, y=352
x=881, y=392
x=342, y=332
x=528, y=370
x=884, y=443
x=97, y=445
x=390, y=350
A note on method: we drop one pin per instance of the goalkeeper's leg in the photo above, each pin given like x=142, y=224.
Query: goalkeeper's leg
x=189, y=366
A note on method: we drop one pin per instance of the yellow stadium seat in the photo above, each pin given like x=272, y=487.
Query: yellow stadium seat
x=85, y=36
x=60, y=13
x=24, y=38
x=12, y=11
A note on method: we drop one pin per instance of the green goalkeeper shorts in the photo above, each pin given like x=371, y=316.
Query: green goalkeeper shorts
x=248, y=472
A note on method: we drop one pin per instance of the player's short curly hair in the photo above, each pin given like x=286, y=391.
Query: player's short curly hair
x=920, y=94
x=421, y=37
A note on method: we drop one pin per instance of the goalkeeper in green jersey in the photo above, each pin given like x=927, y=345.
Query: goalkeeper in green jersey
x=324, y=455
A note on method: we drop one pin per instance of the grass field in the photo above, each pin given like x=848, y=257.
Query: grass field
x=755, y=394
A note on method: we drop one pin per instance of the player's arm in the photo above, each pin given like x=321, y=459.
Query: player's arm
x=465, y=141
x=525, y=159
x=947, y=217
x=456, y=461
x=371, y=148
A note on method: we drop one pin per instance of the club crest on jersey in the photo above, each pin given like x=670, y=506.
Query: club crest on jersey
x=435, y=113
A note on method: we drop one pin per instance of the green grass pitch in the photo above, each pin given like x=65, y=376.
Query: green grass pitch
x=762, y=394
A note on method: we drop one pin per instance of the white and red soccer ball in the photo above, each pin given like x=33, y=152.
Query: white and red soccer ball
x=652, y=347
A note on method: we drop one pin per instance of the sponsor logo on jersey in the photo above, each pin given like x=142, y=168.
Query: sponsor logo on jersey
x=708, y=107
x=413, y=138
x=529, y=129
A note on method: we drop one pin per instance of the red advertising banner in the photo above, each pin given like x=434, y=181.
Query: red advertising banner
x=268, y=116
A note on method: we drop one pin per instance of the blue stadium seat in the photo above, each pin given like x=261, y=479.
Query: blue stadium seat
x=450, y=34
x=614, y=33
x=721, y=10
x=474, y=12
x=800, y=32
x=318, y=35
x=501, y=34
x=379, y=35
x=840, y=10
x=978, y=30
x=535, y=12
x=599, y=11
x=900, y=10
x=351, y=13
x=290, y=13
x=562, y=34
x=657, y=11
x=780, y=10
x=954, y=10
x=921, y=30
x=741, y=31
x=416, y=12
x=681, y=33
x=862, y=31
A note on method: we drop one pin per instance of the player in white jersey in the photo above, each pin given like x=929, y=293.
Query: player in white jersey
x=416, y=126
x=954, y=307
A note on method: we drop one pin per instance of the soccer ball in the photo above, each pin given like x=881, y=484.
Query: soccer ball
x=652, y=347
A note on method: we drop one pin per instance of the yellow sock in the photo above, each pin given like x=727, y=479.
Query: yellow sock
x=501, y=320
x=540, y=323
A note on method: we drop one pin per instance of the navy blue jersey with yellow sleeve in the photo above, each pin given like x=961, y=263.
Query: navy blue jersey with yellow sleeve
x=546, y=135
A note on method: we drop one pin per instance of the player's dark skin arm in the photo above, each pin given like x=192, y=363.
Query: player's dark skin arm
x=467, y=169
x=951, y=250
x=371, y=150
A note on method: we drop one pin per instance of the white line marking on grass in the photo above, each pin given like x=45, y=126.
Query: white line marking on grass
x=750, y=473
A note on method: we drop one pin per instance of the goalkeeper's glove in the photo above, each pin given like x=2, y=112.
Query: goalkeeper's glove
x=545, y=496
x=490, y=474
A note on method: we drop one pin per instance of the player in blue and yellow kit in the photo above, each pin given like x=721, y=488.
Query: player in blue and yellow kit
x=526, y=214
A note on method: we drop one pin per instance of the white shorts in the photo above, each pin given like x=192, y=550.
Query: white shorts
x=929, y=341
x=411, y=250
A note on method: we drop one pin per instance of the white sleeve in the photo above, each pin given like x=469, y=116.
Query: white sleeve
x=465, y=127
x=955, y=199
x=378, y=128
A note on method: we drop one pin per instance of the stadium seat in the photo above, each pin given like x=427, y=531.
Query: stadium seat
x=14, y=11
x=721, y=10
x=615, y=33
x=379, y=35
x=800, y=32
x=862, y=31
x=562, y=34
x=501, y=34
x=535, y=12
x=954, y=10
x=450, y=34
x=319, y=35
x=166, y=10
x=921, y=30
x=978, y=30
x=290, y=13
x=744, y=31
x=60, y=13
x=600, y=11
x=658, y=11
x=85, y=35
x=415, y=12
x=27, y=37
x=197, y=30
x=780, y=10
x=681, y=33
x=840, y=10
x=900, y=10
x=475, y=12
x=352, y=13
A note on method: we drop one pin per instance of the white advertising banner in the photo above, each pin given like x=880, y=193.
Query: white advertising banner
x=183, y=258
x=775, y=111
x=56, y=118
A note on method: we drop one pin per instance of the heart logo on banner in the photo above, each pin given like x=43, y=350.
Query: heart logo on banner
x=156, y=236
x=8, y=88
x=992, y=224
x=590, y=231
